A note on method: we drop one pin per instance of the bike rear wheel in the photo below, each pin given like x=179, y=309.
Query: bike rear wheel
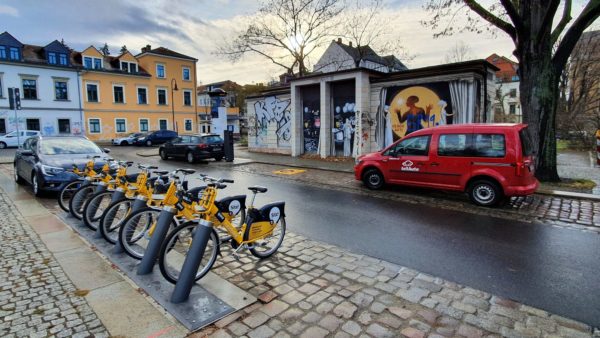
x=112, y=219
x=137, y=230
x=66, y=193
x=175, y=248
x=78, y=200
x=268, y=246
x=94, y=208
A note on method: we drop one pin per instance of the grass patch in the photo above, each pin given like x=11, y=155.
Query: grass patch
x=569, y=184
x=562, y=145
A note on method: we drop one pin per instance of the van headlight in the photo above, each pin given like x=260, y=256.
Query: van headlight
x=51, y=171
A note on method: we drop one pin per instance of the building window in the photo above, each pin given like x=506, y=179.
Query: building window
x=2, y=52
x=64, y=126
x=188, y=125
x=163, y=124
x=187, y=98
x=29, y=89
x=512, y=108
x=14, y=53
x=162, y=96
x=160, y=70
x=513, y=93
x=62, y=59
x=206, y=129
x=97, y=63
x=92, y=92
x=118, y=94
x=143, y=124
x=2, y=126
x=52, y=58
x=129, y=67
x=186, y=74
x=142, y=95
x=33, y=124
x=87, y=62
x=94, y=126
x=120, y=125
x=1, y=87
x=60, y=90
x=515, y=78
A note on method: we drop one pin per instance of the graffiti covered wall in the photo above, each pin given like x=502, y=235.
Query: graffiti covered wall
x=269, y=123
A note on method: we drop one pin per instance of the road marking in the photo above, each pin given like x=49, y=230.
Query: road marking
x=289, y=171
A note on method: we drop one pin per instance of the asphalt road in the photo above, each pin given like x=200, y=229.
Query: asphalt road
x=551, y=268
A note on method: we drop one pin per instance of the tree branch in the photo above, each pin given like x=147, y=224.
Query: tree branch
x=585, y=19
x=513, y=14
x=566, y=18
x=491, y=18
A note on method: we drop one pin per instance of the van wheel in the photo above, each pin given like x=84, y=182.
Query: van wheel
x=485, y=193
x=373, y=179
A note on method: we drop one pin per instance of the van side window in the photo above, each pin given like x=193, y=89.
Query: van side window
x=454, y=145
x=489, y=145
x=414, y=146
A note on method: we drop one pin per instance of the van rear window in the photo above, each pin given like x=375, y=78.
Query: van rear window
x=526, y=147
x=454, y=145
x=489, y=145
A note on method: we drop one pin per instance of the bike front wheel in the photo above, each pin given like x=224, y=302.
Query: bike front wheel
x=137, y=230
x=94, y=207
x=269, y=245
x=175, y=248
x=112, y=219
x=65, y=194
x=78, y=200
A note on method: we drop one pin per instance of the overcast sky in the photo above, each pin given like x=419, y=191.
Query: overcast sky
x=193, y=27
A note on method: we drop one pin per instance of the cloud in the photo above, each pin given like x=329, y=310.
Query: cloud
x=8, y=10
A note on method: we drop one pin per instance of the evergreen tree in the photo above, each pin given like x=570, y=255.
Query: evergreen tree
x=105, y=50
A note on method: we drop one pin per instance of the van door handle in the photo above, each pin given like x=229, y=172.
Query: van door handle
x=434, y=164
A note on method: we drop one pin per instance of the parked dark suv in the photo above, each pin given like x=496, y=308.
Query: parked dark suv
x=156, y=137
x=193, y=147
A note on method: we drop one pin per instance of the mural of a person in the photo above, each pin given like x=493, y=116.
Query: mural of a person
x=348, y=133
x=414, y=116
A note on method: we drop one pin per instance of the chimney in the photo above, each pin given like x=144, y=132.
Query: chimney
x=350, y=43
x=339, y=40
x=146, y=49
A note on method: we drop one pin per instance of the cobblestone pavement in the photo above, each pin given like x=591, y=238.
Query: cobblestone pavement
x=36, y=297
x=310, y=289
x=558, y=211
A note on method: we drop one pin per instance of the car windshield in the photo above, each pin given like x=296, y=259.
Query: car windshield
x=135, y=134
x=68, y=146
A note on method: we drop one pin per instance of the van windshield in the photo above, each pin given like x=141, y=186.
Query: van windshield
x=525, y=142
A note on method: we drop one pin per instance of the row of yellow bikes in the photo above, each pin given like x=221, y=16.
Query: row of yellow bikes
x=124, y=210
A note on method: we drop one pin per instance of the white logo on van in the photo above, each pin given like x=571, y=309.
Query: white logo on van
x=234, y=207
x=408, y=166
x=274, y=214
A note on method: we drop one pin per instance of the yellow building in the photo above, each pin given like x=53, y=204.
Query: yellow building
x=149, y=91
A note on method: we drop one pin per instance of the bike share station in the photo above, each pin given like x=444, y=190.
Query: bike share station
x=195, y=305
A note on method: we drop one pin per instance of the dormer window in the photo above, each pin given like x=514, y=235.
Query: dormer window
x=52, y=58
x=97, y=63
x=14, y=54
x=62, y=59
x=2, y=52
x=129, y=67
x=92, y=63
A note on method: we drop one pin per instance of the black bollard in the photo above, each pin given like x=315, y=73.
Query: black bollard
x=160, y=232
x=187, y=277
x=138, y=203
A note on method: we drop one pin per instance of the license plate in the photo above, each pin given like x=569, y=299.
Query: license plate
x=216, y=148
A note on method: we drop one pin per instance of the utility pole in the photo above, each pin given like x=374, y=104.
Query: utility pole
x=14, y=98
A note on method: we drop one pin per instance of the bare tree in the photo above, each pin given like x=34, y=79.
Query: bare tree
x=458, y=53
x=530, y=25
x=286, y=32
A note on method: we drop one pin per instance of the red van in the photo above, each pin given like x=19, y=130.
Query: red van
x=488, y=161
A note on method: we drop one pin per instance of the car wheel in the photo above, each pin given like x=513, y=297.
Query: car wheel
x=190, y=157
x=2, y=145
x=373, y=179
x=485, y=193
x=163, y=154
x=218, y=158
x=124, y=143
x=148, y=143
x=18, y=178
x=35, y=184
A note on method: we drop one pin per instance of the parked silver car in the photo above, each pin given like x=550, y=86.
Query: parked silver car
x=127, y=140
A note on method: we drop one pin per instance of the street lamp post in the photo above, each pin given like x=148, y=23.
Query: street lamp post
x=173, y=88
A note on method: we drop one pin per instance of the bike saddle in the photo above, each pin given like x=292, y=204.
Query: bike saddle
x=186, y=171
x=257, y=189
x=129, y=163
x=160, y=172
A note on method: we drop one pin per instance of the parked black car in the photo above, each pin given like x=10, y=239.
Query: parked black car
x=193, y=147
x=156, y=137
x=44, y=162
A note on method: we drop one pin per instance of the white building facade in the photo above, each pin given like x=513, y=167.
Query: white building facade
x=49, y=88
